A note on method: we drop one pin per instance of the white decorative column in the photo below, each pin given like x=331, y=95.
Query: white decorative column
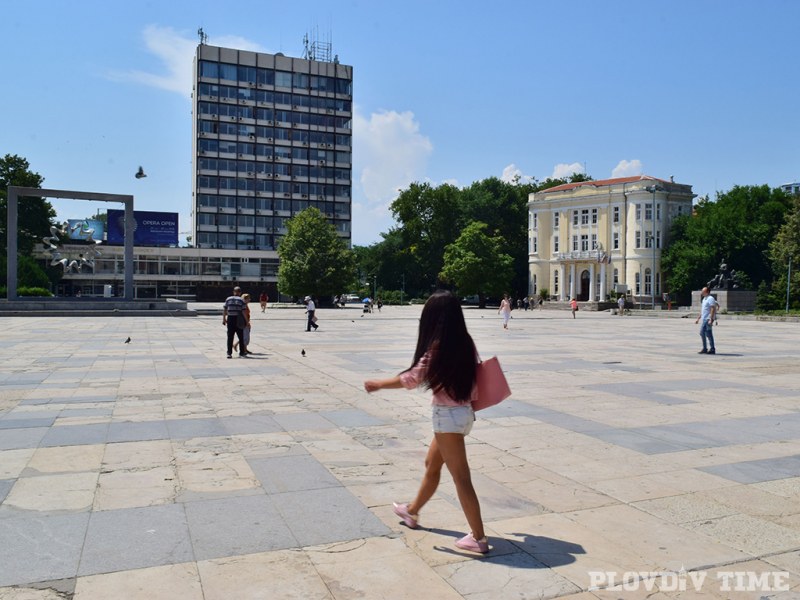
x=602, y=281
x=592, y=282
x=571, y=281
x=562, y=280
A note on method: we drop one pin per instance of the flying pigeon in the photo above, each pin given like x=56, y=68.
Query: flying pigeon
x=303, y=352
x=128, y=341
x=140, y=173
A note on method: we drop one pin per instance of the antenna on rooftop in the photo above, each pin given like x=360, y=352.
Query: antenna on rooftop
x=203, y=36
x=314, y=49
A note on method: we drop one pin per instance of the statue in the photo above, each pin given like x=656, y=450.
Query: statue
x=725, y=279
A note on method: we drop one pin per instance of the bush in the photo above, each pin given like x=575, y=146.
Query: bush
x=32, y=291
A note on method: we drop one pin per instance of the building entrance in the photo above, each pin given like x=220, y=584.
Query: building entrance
x=583, y=296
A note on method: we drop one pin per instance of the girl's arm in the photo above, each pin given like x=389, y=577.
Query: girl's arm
x=373, y=385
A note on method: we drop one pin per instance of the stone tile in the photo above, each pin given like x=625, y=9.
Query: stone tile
x=40, y=549
x=125, y=431
x=291, y=474
x=180, y=429
x=135, y=538
x=136, y=488
x=351, y=418
x=685, y=508
x=279, y=575
x=249, y=424
x=61, y=492
x=71, y=459
x=13, y=462
x=18, y=422
x=5, y=487
x=155, y=583
x=327, y=515
x=29, y=437
x=236, y=526
x=302, y=421
x=75, y=435
x=137, y=455
x=749, y=534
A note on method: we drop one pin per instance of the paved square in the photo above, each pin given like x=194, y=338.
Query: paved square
x=160, y=469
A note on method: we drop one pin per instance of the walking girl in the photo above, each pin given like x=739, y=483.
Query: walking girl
x=505, y=310
x=444, y=362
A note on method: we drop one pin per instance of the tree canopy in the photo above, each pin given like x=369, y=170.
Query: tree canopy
x=314, y=259
x=34, y=215
x=737, y=227
x=476, y=264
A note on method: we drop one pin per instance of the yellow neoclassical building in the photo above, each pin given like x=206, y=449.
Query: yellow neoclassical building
x=588, y=239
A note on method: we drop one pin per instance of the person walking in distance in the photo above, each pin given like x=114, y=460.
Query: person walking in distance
x=573, y=304
x=505, y=310
x=621, y=304
x=445, y=361
x=310, y=309
x=263, y=299
x=232, y=310
x=708, y=312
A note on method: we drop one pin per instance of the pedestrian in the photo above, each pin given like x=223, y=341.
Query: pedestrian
x=621, y=304
x=573, y=304
x=310, y=309
x=708, y=312
x=246, y=331
x=526, y=303
x=233, y=317
x=505, y=310
x=263, y=299
x=445, y=362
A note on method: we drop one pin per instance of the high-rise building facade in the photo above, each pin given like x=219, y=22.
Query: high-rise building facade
x=272, y=136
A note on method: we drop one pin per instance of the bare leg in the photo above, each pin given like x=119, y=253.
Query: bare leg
x=454, y=454
x=430, y=481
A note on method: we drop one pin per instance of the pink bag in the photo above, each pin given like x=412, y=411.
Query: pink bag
x=492, y=385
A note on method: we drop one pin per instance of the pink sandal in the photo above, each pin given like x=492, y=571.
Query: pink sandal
x=401, y=510
x=468, y=542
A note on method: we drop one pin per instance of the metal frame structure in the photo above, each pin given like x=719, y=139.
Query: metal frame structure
x=15, y=193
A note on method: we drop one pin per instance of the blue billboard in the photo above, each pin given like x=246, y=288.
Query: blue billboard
x=149, y=228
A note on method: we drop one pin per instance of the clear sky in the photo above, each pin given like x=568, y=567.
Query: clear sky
x=444, y=91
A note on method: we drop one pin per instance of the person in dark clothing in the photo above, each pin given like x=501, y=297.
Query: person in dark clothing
x=232, y=310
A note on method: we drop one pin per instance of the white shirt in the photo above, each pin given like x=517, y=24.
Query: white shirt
x=310, y=306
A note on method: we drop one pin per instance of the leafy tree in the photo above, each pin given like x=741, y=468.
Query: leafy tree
x=783, y=249
x=430, y=219
x=476, y=264
x=503, y=207
x=314, y=259
x=34, y=215
x=737, y=227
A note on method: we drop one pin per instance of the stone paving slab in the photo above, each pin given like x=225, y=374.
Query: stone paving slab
x=623, y=466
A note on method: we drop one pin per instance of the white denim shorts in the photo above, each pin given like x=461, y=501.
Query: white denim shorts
x=453, y=419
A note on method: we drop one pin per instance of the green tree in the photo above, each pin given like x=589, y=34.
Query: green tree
x=503, y=207
x=314, y=259
x=475, y=264
x=34, y=215
x=430, y=218
x=785, y=248
x=737, y=227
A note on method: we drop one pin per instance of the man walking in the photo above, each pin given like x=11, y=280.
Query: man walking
x=310, y=308
x=708, y=312
x=231, y=313
x=621, y=304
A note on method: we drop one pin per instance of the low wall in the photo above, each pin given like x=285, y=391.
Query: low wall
x=729, y=300
x=86, y=307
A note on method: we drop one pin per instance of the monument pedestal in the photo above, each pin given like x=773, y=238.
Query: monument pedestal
x=729, y=300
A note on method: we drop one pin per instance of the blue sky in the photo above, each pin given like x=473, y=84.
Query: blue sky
x=444, y=91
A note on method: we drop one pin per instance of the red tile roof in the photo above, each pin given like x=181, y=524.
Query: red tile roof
x=602, y=183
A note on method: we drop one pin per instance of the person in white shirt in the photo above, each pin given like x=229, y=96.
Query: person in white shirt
x=310, y=308
x=708, y=312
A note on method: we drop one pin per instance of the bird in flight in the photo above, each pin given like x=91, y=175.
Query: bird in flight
x=128, y=341
x=140, y=173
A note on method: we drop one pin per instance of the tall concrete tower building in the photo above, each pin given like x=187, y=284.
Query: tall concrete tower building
x=272, y=135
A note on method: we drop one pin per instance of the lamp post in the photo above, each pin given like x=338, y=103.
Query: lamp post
x=653, y=189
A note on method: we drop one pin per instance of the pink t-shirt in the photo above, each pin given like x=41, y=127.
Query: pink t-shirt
x=416, y=375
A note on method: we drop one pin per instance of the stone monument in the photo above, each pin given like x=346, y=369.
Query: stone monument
x=726, y=288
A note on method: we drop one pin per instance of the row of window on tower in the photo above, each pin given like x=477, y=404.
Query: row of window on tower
x=270, y=116
x=339, y=210
x=326, y=139
x=231, y=94
x=274, y=77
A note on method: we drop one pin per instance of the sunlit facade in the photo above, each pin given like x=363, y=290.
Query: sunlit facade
x=589, y=239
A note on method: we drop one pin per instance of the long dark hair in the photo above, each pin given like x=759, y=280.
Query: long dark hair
x=443, y=335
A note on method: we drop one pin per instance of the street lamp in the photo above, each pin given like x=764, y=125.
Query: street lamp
x=653, y=189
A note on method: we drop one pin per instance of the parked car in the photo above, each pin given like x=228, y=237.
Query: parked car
x=352, y=298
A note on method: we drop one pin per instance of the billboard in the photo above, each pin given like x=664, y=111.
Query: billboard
x=149, y=228
x=88, y=230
